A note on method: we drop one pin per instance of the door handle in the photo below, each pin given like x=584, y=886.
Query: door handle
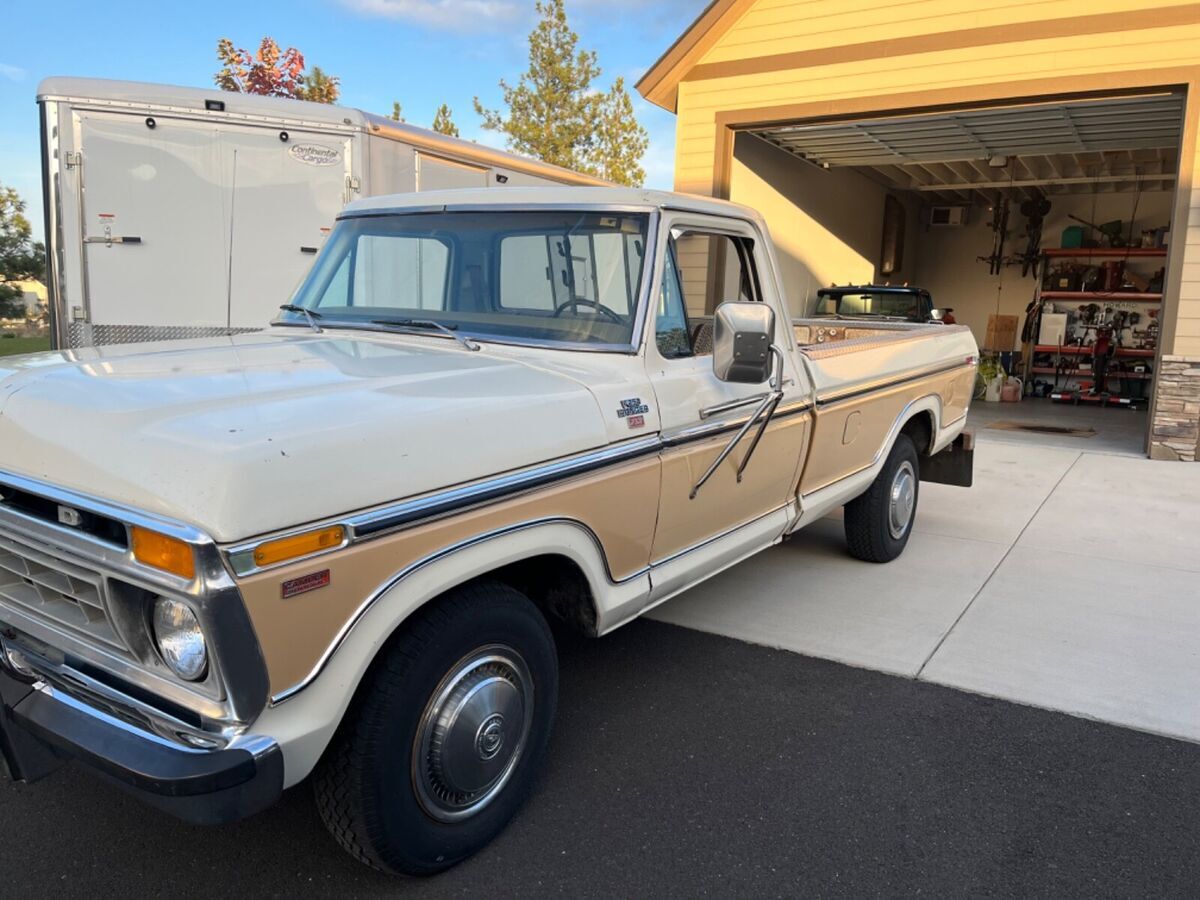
x=710, y=411
x=109, y=239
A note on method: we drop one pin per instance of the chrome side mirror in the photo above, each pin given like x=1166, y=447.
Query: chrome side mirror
x=936, y=315
x=743, y=333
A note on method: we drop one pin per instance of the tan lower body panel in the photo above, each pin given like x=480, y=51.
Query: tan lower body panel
x=619, y=504
x=848, y=434
x=723, y=503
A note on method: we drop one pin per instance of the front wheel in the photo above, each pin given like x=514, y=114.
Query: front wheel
x=879, y=521
x=447, y=735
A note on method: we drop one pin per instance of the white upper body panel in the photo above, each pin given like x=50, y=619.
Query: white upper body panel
x=252, y=433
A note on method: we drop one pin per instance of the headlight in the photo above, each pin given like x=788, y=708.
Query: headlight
x=179, y=638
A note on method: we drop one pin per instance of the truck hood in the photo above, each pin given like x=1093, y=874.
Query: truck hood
x=249, y=434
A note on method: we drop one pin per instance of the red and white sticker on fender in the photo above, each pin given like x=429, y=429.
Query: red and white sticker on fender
x=305, y=583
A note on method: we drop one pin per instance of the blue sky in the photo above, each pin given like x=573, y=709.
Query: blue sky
x=420, y=52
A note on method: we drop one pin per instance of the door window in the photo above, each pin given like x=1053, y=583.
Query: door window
x=706, y=270
x=714, y=268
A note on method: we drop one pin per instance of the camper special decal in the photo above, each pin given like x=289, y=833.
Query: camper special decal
x=315, y=154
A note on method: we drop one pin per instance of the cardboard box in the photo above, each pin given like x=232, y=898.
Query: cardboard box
x=1053, y=329
x=1001, y=333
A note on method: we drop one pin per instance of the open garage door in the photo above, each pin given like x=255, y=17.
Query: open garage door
x=1044, y=227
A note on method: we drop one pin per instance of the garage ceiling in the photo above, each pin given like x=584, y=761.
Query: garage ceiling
x=1067, y=147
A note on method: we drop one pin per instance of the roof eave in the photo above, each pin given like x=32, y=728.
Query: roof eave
x=660, y=84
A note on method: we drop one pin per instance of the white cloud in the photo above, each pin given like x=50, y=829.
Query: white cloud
x=445, y=15
x=12, y=73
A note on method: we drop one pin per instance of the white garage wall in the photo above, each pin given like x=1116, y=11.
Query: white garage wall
x=946, y=257
x=827, y=225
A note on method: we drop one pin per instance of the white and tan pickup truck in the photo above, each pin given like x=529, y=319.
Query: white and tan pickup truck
x=333, y=549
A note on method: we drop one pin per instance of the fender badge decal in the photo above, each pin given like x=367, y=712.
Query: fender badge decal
x=636, y=421
x=305, y=583
x=632, y=407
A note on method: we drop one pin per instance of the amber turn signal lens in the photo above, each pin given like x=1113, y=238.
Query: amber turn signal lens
x=163, y=552
x=299, y=545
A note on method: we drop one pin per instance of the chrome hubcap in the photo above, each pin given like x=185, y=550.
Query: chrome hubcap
x=472, y=733
x=903, y=500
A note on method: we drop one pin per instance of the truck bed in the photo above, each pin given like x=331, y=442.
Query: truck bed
x=866, y=376
x=846, y=356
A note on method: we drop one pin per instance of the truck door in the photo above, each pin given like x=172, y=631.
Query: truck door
x=284, y=196
x=707, y=262
x=151, y=230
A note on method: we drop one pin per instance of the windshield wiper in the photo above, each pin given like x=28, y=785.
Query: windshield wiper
x=307, y=313
x=447, y=330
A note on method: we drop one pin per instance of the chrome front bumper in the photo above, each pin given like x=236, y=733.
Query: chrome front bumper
x=41, y=727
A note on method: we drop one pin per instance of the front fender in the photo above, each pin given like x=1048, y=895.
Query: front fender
x=303, y=718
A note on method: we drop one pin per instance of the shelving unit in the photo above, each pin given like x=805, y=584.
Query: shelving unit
x=1101, y=295
x=1065, y=350
x=1103, y=252
x=1081, y=297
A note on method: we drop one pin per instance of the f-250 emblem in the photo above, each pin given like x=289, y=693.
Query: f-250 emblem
x=632, y=407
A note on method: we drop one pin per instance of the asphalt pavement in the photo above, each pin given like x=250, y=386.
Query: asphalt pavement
x=689, y=764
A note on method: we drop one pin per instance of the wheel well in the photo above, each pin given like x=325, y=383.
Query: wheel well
x=920, y=430
x=557, y=585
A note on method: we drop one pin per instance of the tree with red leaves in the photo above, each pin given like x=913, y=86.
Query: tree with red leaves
x=272, y=72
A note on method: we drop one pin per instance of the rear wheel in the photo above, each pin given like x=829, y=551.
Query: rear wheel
x=446, y=736
x=879, y=521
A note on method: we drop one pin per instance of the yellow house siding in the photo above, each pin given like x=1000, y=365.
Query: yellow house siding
x=1026, y=60
x=695, y=146
x=1187, y=325
x=784, y=26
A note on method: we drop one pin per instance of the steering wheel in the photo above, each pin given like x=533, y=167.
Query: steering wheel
x=612, y=315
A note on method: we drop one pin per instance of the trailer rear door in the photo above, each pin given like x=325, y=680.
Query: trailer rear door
x=153, y=223
x=190, y=227
x=286, y=194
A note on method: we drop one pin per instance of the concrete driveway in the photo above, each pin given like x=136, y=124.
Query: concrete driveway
x=1063, y=579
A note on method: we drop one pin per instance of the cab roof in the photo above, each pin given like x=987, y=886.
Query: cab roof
x=623, y=198
x=898, y=289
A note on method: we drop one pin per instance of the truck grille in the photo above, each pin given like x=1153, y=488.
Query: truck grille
x=61, y=592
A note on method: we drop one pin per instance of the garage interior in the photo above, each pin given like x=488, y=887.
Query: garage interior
x=1045, y=228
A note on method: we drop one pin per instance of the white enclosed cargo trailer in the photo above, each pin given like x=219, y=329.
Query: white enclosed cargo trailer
x=177, y=212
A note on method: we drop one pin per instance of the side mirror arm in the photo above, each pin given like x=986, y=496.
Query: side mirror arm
x=762, y=416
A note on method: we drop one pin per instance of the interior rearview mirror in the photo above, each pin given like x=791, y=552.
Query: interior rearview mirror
x=742, y=335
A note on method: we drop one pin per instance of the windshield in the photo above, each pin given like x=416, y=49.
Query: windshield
x=570, y=277
x=866, y=303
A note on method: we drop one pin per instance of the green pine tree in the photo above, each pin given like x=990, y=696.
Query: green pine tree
x=319, y=87
x=396, y=115
x=620, y=141
x=443, y=123
x=554, y=114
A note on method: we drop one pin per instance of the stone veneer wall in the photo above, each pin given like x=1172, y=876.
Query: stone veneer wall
x=1176, y=433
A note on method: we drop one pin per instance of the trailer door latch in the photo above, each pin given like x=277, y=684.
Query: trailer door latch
x=108, y=238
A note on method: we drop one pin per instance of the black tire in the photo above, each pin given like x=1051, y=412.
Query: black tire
x=390, y=812
x=871, y=533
